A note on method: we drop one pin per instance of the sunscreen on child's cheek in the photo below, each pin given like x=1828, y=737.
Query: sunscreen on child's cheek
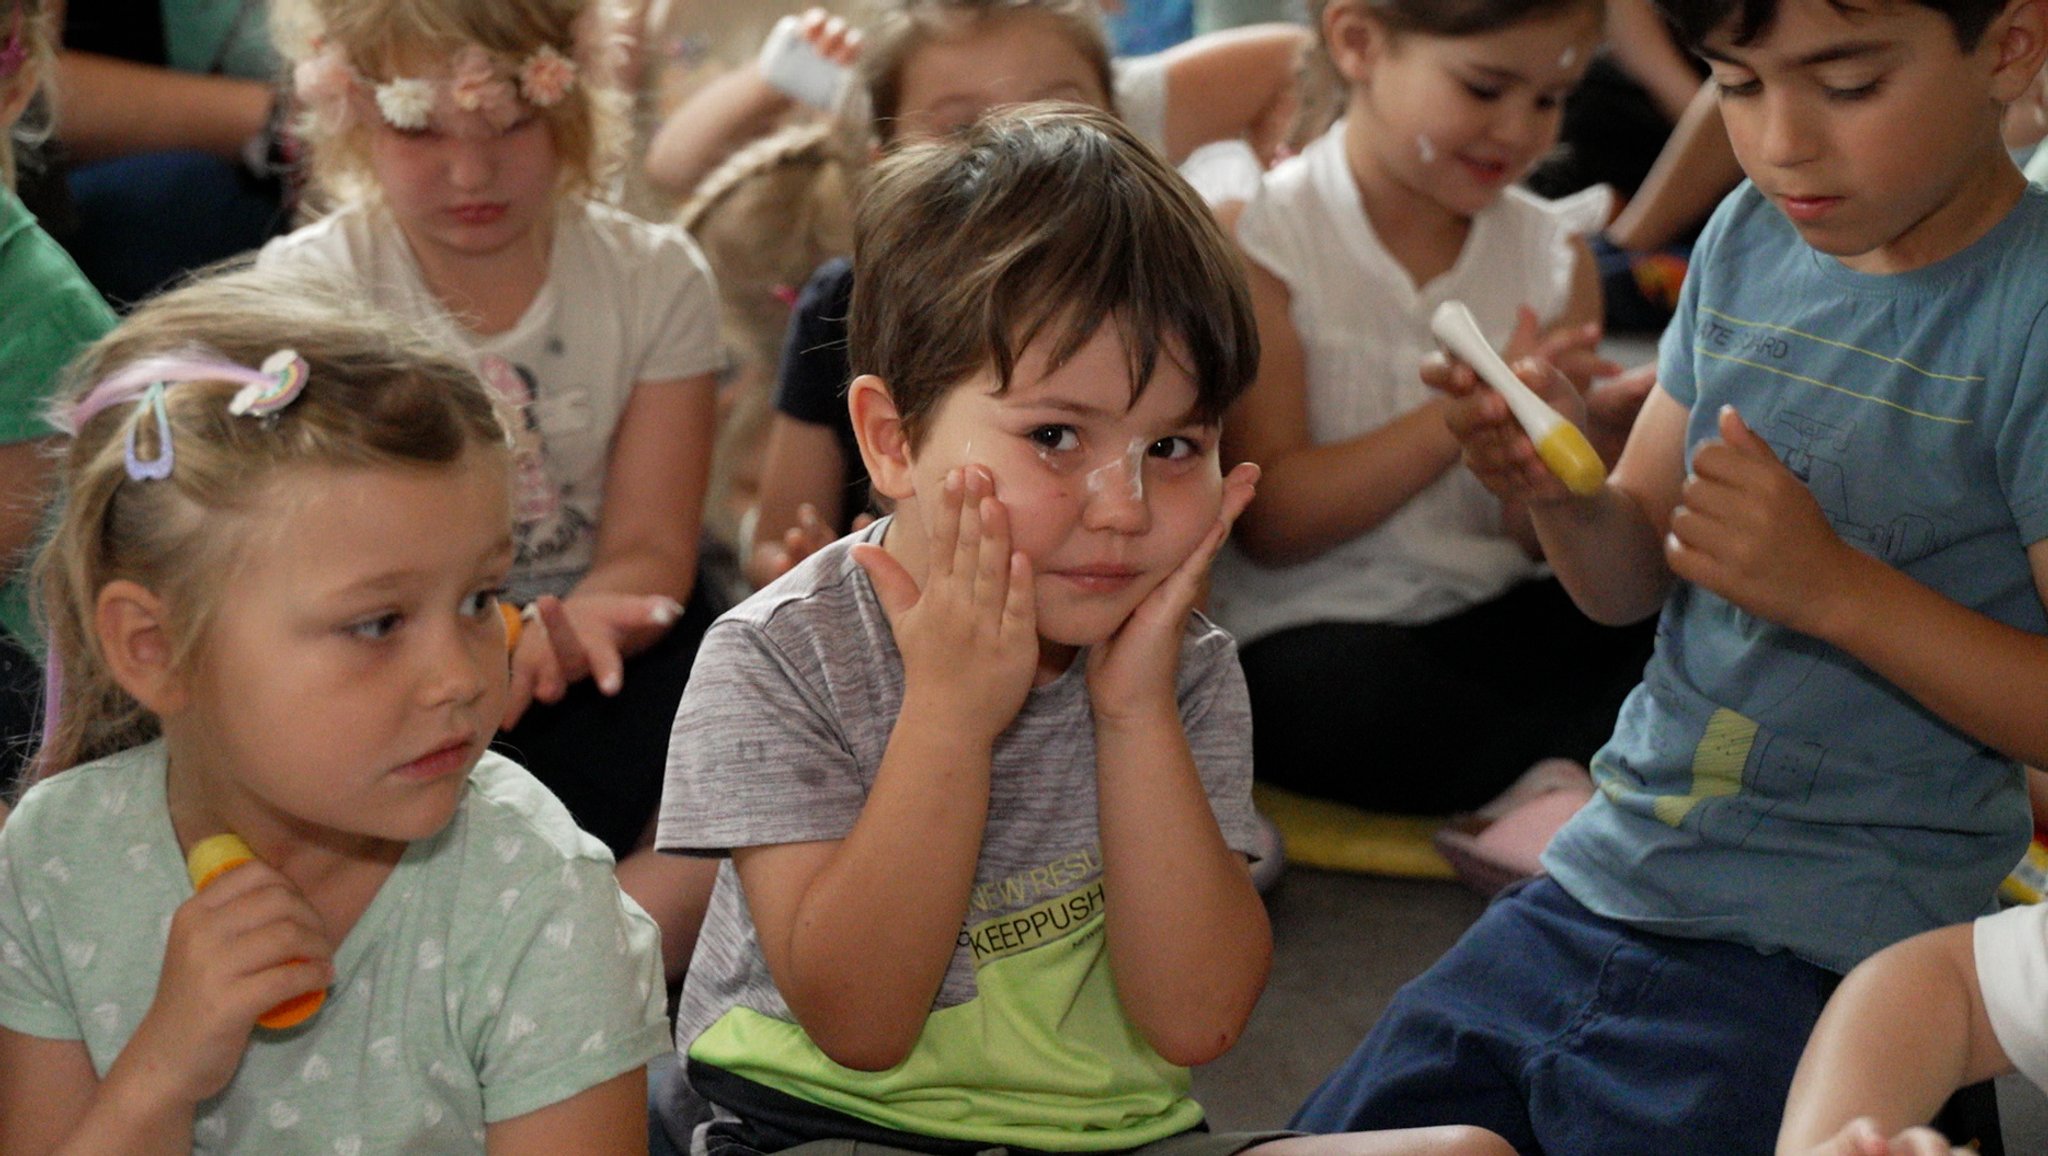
x=214, y=857
x=1425, y=148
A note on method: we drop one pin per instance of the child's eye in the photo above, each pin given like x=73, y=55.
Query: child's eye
x=1485, y=92
x=1853, y=93
x=482, y=602
x=375, y=628
x=1738, y=88
x=1175, y=448
x=1057, y=439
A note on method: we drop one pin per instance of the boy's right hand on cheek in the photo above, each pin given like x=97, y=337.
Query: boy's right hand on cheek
x=247, y=943
x=969, y=637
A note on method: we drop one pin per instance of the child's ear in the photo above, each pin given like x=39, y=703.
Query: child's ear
x=1356, y=39
x=135, y=637
x=2019, y=37
x=877, y=425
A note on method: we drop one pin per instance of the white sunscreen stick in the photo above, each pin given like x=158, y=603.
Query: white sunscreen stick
x=791, y=64
x=1558, y=442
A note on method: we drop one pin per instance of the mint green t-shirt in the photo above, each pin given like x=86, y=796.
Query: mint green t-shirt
x=499, y=970
x=48, y=312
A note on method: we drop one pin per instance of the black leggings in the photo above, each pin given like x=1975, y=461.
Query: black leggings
x=605, y=756
x=1441, y=717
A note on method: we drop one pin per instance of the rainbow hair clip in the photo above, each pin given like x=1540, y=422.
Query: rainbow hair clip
x=283, y=376
x=265, y=391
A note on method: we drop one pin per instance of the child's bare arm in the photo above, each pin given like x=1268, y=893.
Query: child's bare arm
x=858, y=933
x=603, y=1120
x=1750, y=531
x=1165, y=866
x=1230, y=84
x=1904, y=1031
x=803, y=465
x=645, y=561
x=243, y=945
x=1314, y=497
x=1607, y=549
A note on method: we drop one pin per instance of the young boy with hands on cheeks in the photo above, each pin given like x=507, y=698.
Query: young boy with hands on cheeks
x=980, y=768
x=1837, y=495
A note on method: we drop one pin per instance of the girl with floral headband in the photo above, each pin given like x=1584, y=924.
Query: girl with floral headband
x=463, y=143
x=51, y=312
x=273, y=599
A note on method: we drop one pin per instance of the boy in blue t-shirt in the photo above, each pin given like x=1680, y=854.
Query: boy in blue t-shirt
x=1838, y=498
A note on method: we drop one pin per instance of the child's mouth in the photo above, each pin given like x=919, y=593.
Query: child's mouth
x=1806, y=210
x=477, y=214
x=1098, y=579
x=438, y=763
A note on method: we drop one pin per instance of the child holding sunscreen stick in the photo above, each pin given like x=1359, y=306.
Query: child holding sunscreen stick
x=1836, y=503
x=1402, y=649
x=272, y=595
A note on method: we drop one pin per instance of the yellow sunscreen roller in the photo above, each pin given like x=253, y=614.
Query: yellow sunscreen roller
x=1558, y=442
x=210, y=859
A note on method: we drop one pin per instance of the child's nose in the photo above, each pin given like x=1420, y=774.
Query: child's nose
x=1787, y=133
x=456, y=670
x=471, y=165
x=1116, y=496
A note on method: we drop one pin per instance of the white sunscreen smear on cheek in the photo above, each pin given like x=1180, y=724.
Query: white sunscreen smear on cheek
x=1425, y=147
x=1133, y=465
x=1568, y=57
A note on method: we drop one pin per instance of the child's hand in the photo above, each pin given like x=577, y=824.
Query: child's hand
x=1860, y=1137
x=1136, y=668
x=1748, y=530
x=1496, y=448
x=807, y=537
x=830, y=36
x=969, y=639
x=247, y=943
x=1574, y=350
x=585, y=635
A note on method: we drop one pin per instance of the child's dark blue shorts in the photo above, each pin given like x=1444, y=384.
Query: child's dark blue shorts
x=1571, y=1034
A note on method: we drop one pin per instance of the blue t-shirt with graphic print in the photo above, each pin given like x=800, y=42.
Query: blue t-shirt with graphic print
x=1763, y=786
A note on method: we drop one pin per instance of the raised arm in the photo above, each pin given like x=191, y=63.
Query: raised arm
x=1231, y=84
x=858, y=933
x=1165, y=865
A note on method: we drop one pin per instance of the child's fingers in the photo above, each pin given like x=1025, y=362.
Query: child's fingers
x=895, y=589
x=967, y=545
x=943, y=528
x=607, y=665
x=572, y=658
x=992, y=577
x=1020, y=604
x=1240, y=486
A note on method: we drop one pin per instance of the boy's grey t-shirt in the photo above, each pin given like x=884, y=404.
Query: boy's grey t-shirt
x=1762, y=786
x=778, y=739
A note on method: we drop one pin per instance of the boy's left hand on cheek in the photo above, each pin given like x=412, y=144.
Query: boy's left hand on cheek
x=1143, y=656
x=1749, y=530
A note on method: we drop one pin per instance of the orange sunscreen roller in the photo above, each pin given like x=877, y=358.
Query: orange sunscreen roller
x=513, y=624
x=215, y=857
x=1558, y=442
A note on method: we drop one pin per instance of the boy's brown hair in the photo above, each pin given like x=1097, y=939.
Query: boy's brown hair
x=898, y=28
x=1044, y=221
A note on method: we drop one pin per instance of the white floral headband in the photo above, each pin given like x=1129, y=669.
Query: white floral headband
x=475, y=84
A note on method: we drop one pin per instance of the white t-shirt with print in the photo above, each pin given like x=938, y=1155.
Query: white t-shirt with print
x=625, y=302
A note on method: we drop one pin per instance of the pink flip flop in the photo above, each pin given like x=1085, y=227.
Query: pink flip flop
x=1503, y=842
